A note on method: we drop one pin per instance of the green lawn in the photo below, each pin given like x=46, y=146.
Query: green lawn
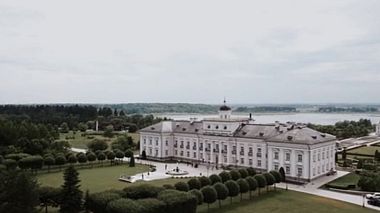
x=285, y=202
x=349, y=179
x=80, y=141
x=365, y=150
x=96, y=179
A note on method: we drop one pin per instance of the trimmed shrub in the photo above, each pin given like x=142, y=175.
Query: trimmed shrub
x=221, y=191
x=205, y=181
x=251, y=171
x=244, y=187
x=215, y=179
x=225, y=176
x=123, y=205
x=151, y=205
x=182, y=186
x=168, y=186
x=209, y=195
x=233, y=188
x=235, y=175
x=10, y=164
x=261, y=181
x=177, y=201
x=98, y=202
x=198, y=194
x=269, y=179
x=142, y=191
x=252, y=185
x=194, y=183
x=243, y=173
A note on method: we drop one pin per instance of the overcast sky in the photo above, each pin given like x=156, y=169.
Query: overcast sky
x=72, y=51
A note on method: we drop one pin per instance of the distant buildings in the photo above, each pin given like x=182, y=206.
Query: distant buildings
x=378, y=129
x=303, y=153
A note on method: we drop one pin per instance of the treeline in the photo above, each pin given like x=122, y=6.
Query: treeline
x=346, y=129
x=266, y=109
x=147, y=108
x=348, y=109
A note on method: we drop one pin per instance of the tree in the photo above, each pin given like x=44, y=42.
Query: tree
x=49, y=196
x=252, y=185
x=209, y=195
x=97, y=144
x=60, y=160
x=18, y=191
x=198, y=194
x=91, y=157
x=269, y=179
x=110, y=156
x=225, y=176
x=143, y=155
x=119, y=155
x=82, y=158
x=49, y=161
x=233, y=188
x=243, y=173
x=261, y=181
x=82, y=127
x=123, y=143
x=122, y=205
x=277, y=177
x=97, y=202
x=72, y=159
x=182, y=186
x=142, y=191
x=71, y=194
x=64, y=128
x=244, y=187
x=251, y=171
x=10, y=164
x=132, y=161
x=215, y=179
x=128, y=153
x=283, y=176
x=221, y=191
x=205, y=181
x=194, y=183
x=235, y=175
x=108, y=132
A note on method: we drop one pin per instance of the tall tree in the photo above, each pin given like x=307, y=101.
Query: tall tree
x=71, y=194
x=18, y=192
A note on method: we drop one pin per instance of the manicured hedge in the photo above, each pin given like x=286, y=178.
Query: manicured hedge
x=98, y=202
x=151, y=205
x=123, y=205
x=177, y=201
x=142, y=191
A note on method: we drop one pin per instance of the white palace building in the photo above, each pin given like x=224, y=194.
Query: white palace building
x=303, y=153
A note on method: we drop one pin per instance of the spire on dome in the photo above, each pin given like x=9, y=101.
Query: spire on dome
x=224, y=107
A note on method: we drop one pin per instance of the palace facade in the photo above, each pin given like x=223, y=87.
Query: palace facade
x=303, y=153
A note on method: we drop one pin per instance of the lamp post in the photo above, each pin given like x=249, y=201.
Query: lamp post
x=363, y=201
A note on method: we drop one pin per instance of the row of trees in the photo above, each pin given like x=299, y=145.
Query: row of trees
x=36, y=162
x=346, y=129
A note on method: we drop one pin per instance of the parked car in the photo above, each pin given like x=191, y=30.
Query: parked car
x=374, y=202
x=373, y=196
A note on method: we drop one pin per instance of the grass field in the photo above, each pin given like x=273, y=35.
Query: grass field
x=365, y=150
x=96, y=179
x=78, y=140
x=349, y=179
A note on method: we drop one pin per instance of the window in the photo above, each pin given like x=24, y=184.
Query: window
x=181, y=153
x=300, y=158
x=225, y=159
x=242, y=160
x=150, y=151
x=319, y=156
x=156, y=152
x=287, y=169
x=195, y=155
x=144, y=141
x=250, y=162
x=225, y=147
x=259, y=152
x=166, y=143
x=287, y=156
x=275, y=167
x=276, y=156
x=323, y=155
x=166, y=152
x=258, y=163
x=201, y=156
x=188, y=154
x=175, y=152
x=299, y=171
x=225, y=127
x=216, y=127
x=150, y=141
x=208, y=127
x=314, y=157
x=156, y=142
x=313, y=171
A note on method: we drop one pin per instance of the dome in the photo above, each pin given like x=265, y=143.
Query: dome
x=224, y=108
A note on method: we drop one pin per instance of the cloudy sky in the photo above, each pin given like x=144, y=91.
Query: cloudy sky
x=321, y=51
